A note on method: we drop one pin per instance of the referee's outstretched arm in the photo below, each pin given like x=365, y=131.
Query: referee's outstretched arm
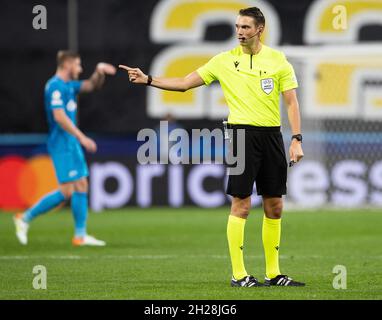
x=191, y=81
x=290, y=99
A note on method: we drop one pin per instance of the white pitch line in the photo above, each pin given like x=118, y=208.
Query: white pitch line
x=138, y=257
x=161, y=257
x=88, y=257
x=147, y=257
x=40, y=257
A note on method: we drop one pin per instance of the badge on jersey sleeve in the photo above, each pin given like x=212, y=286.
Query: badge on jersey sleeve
x=267, y=85
x=56, y=98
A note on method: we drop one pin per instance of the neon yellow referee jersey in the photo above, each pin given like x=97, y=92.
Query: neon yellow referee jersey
x=251, y=84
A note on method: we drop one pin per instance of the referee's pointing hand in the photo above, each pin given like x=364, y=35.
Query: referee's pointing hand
x=135, y=74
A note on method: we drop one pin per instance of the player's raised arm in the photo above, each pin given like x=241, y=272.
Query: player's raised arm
x=97, y=79
x=191, y=81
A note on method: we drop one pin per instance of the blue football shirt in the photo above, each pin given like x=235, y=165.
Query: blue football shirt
x=63, y=95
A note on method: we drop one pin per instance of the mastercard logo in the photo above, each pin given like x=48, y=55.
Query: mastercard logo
x=24, y=181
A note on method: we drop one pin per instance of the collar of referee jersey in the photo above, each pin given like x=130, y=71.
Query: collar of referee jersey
x=253, y=128
x=261, y=52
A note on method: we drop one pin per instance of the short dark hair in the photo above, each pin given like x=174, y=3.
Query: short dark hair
x=255, y=13
x=64, y=55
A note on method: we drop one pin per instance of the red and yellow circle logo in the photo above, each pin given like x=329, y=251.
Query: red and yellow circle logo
x=24, y=181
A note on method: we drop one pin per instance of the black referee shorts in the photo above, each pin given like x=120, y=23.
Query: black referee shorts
x=265, y=162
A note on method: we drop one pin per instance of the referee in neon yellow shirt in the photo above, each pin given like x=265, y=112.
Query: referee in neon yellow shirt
x=252, y=76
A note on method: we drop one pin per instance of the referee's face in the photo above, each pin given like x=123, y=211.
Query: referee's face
x=76, y=69
x=246, y=30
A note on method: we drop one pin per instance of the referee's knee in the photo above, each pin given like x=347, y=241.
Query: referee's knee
x=240, y=207
x=274, y=209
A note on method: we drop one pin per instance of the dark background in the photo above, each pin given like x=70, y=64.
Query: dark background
x=115, y=31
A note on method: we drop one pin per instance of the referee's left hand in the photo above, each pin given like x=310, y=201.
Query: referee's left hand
x=295, y=151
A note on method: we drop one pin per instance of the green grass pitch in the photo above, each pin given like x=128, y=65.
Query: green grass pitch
x=162, y=253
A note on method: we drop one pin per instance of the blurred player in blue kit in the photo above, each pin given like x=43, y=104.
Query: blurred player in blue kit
x=64, y=144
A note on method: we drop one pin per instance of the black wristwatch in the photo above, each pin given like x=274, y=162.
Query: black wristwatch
x=298, y=137
x=149, y=79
